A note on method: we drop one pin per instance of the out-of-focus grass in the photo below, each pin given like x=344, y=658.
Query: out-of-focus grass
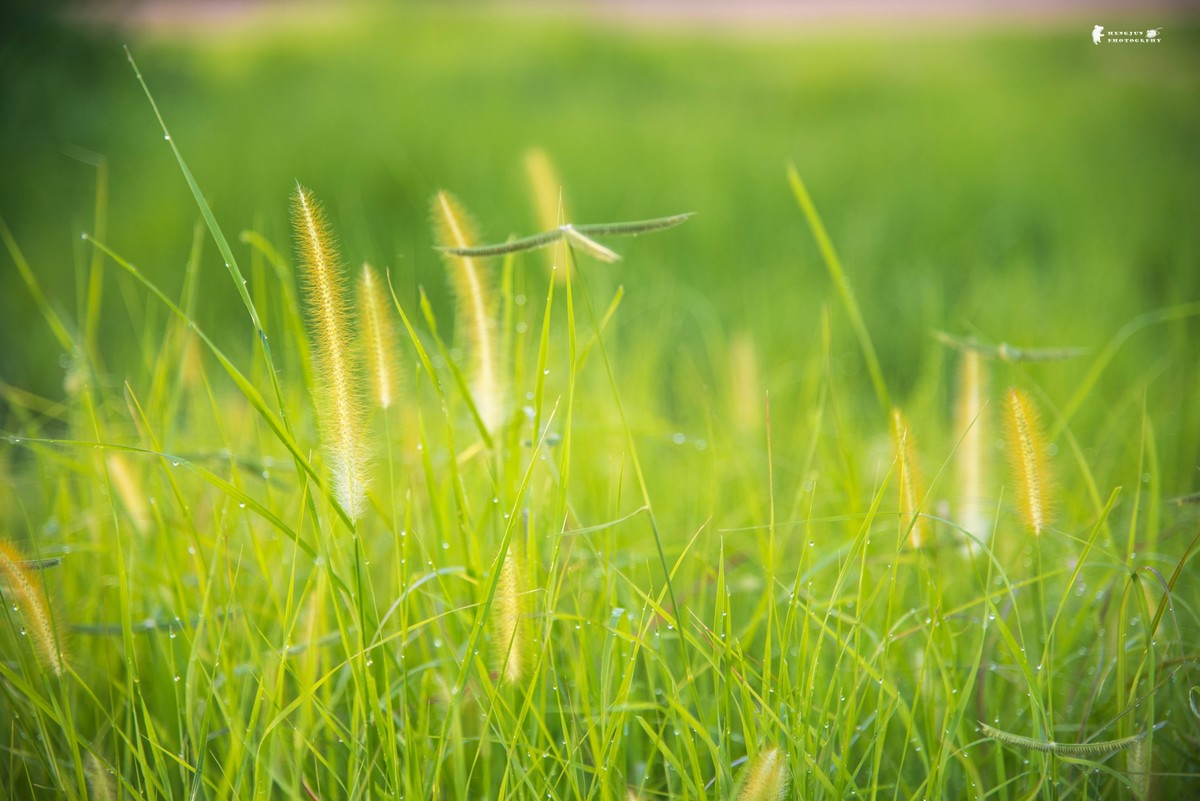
x=955, y=167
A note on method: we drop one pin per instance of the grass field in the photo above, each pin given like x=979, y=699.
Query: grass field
x=671, y=539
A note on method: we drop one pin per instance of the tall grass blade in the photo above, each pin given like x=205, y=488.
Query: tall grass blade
x=834, y=265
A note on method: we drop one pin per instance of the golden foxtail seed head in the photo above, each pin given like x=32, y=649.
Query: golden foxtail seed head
x=768, y=777
x=339, y=392
x=546, y=189
x=22, y=590
x=508, y=617
x=1026, y=445
x=379, y=337
x=476, y=307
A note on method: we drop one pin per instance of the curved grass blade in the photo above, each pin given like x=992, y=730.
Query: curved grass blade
x=1060, y=749
x=1084, y=387
x=57, y=325
x=244, y=499
x=284, y=429
x=1008, y=353
x=276, y=424
x=515, y=246
x=633, y=228
x=579, y=235
x=834, y=266
x=589, y=245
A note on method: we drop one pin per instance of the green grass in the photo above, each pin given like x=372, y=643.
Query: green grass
x=696, y=474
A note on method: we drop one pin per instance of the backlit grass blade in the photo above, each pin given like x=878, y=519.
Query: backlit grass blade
x=1005, y=352
x=513, y=246
x=580, y=235
x=834, y=265
x=634, y=228
x=589, y=245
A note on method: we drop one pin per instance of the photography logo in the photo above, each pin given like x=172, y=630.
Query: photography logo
x=1148, y=36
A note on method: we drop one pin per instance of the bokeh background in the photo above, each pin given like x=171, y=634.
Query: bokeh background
x=967, y=163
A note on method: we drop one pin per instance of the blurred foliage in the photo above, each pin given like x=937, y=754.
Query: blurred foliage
x=962, y=172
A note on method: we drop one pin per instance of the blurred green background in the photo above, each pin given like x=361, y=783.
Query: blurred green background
x=1004, y=178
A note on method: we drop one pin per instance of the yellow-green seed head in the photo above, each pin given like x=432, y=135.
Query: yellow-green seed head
x=768, y=777
x=339, y=393
x=472, y=285
x=378, y=338
x=1026, y=445
x=910, y=480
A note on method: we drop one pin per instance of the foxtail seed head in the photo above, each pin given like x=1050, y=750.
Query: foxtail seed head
x=476, y=306
x=339, y=393
x=767, y=779
x=1137, y=765
x=1026, y=445
x=911, y=490
x=101, y=784
x=125, y=481
x=379, y=337
x=21, y=589
x=508, y=619
x=971, y=423
x=548, y=202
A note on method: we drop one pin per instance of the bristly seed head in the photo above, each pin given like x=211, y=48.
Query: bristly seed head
x=910, y=480
x=476, y=307
x=339, y=392
x=1026, y=446
x=768, y=777
x=509, y=636
x=379, y=337
x=20, y=588
x=971, y=424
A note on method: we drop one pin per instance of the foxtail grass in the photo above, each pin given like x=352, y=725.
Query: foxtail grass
x=473, y=287
x=339, y=394
x=22, y=591
x=1026, y=445
x=129, y=490
x=549, y=208
x=1137, y=764
x=745, y=383
x=910, y=480
x=508, y=629
x=378, y=338
x=971, y=456
x=101, y=785
x=767, y=779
